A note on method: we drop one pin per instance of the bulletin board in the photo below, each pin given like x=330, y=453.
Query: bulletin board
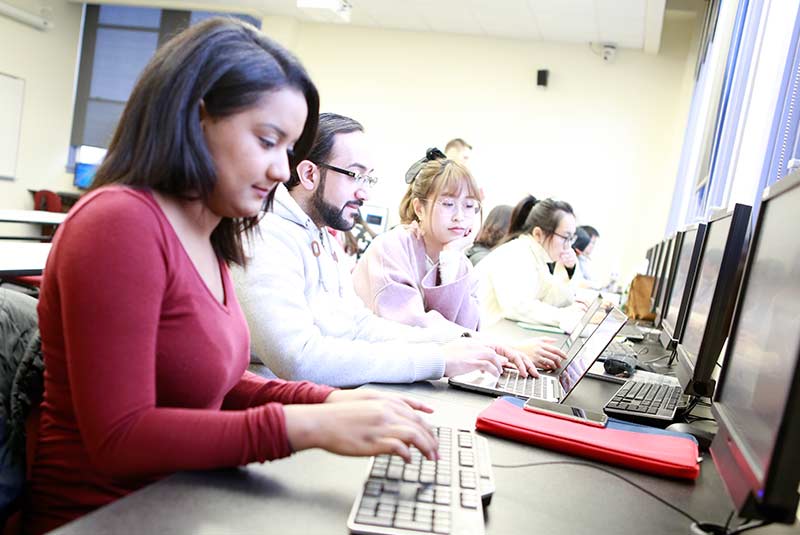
x=12, y=92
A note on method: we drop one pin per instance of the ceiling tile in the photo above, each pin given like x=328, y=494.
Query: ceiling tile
x=628, y=23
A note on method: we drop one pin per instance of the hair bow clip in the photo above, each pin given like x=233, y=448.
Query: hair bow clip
x=431, y=154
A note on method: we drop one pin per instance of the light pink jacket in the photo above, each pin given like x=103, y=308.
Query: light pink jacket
x=394, y=282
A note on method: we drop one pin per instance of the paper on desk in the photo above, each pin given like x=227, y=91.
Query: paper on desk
x=540, y=327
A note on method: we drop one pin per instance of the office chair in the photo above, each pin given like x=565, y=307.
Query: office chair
x=21, y=386
x=47, y=201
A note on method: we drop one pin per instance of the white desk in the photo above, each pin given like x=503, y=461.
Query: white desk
x=32, y=216
x=22, y=258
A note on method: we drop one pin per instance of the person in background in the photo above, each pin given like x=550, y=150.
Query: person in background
x=144, y=343
x=492, y=231
x=458, y=150
x=417, y=273
x=526, y=278
x=585, y=251
x=305, y=318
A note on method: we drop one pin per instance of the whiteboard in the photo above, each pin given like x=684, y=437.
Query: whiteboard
x=12, y=91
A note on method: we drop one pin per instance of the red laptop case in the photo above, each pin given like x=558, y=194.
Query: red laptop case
x=634, y=446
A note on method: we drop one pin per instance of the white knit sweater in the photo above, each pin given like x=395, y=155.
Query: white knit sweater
x=307, y=323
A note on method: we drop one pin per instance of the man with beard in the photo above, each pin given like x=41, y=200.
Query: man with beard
x=306, y=322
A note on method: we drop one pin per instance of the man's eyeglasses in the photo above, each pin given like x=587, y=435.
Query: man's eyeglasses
x=358, y=178
x=569, y=240
x=468, y=206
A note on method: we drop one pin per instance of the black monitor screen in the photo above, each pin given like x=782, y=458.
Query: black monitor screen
x=705, y=282
x=663, y=272
x=681, y=277
x=764, y=347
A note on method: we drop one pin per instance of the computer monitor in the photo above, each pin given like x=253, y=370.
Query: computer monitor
x=665, y=276
x=84, y=175
x=711, y=301
x=377, y=217
x=757, y=402
x=685, y=260
x=662, y=258
x=649, y=256
x=654, y=273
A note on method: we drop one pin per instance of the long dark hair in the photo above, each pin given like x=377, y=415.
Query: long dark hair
x=495, y=226
x=531, y=213
x=158, y=144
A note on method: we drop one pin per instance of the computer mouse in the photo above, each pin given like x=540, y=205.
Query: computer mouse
x=619, y=365
x=703, y=437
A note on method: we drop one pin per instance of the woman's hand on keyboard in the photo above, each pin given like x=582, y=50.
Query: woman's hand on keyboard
x=516, y=359
x=467, y=354
x=542, y=353
x=360, y=428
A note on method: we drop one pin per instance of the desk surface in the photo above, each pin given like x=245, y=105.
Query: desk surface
x=22, y=258
x=312, y=491
x=32, y=216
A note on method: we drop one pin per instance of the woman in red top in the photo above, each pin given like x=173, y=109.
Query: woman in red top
x=145, y=345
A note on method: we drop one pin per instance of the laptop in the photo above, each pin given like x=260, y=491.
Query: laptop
x=584, y=324
x=551, y=386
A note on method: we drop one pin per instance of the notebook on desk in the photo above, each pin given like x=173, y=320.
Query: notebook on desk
x=552, y=386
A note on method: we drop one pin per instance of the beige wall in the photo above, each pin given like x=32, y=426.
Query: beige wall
x=605, y=137
x=47, y=63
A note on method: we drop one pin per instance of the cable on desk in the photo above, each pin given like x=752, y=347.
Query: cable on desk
x=730, y=517
x=607, y=471
x=693, y=401
x=690, y=418
x=662, y=357
x=747, y=527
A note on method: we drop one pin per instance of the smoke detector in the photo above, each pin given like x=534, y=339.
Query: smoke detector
x=609, y=53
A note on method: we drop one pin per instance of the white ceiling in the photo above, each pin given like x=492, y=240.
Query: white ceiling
x=634, y=24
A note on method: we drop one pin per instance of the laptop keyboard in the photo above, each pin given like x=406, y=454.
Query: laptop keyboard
x=527, y=387
x=645, y=400
x=423, y=496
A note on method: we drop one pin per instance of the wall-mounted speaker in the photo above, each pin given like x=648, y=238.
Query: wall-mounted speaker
x=541, y=77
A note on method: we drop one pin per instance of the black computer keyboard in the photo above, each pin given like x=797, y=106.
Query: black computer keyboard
x=617, y=349
x=645, y=401
x=444, y=496
x=542, y=388
x=631, y=332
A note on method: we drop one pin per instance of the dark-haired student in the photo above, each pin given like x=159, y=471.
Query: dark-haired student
x=584, y=252
x=526, y=277
x=145, y=345
x=492, y=231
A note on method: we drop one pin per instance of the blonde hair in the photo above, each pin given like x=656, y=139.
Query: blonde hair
x=435, y=178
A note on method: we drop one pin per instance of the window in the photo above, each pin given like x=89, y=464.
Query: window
x=783, y=153
x=118, y=41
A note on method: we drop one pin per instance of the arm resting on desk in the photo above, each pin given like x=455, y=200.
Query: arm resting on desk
x=252, y=391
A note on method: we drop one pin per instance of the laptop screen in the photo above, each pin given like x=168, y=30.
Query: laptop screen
x=592, y=348
x=584, y=324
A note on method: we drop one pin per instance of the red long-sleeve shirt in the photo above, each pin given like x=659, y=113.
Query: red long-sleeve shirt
x=145, y=371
